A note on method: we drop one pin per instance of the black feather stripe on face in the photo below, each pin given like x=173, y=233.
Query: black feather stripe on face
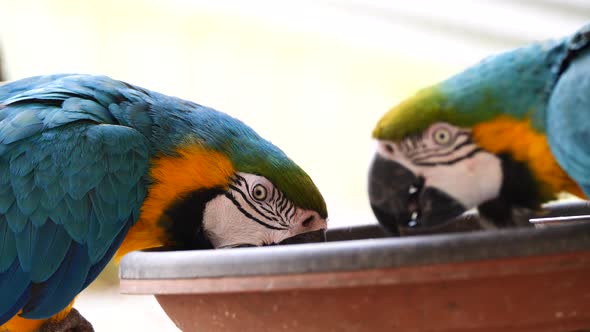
x=183, y=219
x=273, y=211
x=248, y=215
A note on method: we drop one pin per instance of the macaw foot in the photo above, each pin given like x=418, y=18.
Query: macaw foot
x=73, y=322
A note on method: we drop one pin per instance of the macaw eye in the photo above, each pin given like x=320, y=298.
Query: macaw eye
x=442, y=136
x=259, y=192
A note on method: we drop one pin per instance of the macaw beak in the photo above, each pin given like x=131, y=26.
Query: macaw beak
x=314, y=236
x=401, y=200
x=309, y=237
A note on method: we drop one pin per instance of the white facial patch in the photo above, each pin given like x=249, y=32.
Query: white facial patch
x=226, y=226
x=255, y=212
x=450, y=161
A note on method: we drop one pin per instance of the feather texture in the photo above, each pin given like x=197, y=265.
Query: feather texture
x=543, y=86
x=75, y=152
x=63, y=162
x=568, y=115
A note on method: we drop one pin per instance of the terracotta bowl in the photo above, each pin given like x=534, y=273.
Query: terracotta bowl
x=526, y=279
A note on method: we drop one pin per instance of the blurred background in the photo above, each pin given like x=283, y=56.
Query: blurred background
x=311, y=76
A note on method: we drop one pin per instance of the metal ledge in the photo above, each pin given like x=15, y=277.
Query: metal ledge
x=357, y=255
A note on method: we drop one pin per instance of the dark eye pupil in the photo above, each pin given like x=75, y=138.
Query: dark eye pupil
x=259, y=192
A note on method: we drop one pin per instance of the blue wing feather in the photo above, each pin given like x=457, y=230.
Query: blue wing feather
x=39, y=216
x=97, y=267
x=72, y=183
x=13, y=305
x=17, y=87
x=28, y=202
x=16, y=219
x=7, y=245
x=50, y=250
x=79, y=210
x=6, y=199
x=25, y=242
x=568, y=120
x=59, y=290
x=14, y=286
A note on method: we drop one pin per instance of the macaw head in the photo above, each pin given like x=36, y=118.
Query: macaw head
x=430, y=174
x=475, y=140
x=222, y=185
x=268, y=200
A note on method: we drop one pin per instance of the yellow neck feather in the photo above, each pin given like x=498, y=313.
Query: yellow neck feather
x=20, y=324
x=523, y=143
x=194, y=168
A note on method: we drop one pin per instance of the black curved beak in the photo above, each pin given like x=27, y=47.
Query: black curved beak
x=309, y=237
x=400, y=200
x=315, y=236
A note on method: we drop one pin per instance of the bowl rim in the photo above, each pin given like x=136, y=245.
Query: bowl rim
x=356, y=255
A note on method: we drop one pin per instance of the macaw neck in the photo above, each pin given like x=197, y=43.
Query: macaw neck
x=183, y=220
x=503, y=99
x=176, y=123
x=175, y=178
x=519, y=140
x=520, y=189
x=516, y=84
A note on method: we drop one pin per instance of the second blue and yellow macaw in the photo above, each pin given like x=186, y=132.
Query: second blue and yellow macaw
x=505, y=135
x=90, y=165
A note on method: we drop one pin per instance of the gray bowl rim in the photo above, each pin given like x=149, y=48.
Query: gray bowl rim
x=363, y=254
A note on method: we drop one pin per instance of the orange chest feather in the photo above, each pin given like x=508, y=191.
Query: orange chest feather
x=523, y=143
x=194, y=168
x=19, y=324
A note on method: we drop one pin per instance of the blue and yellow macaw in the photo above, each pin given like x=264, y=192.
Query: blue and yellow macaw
x=90, y=165
x=504, y=136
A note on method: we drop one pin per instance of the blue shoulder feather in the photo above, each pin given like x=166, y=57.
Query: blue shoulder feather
x=72, y=180
x=568, y=112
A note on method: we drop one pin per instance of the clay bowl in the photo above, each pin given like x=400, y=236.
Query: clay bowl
x=526, y=279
